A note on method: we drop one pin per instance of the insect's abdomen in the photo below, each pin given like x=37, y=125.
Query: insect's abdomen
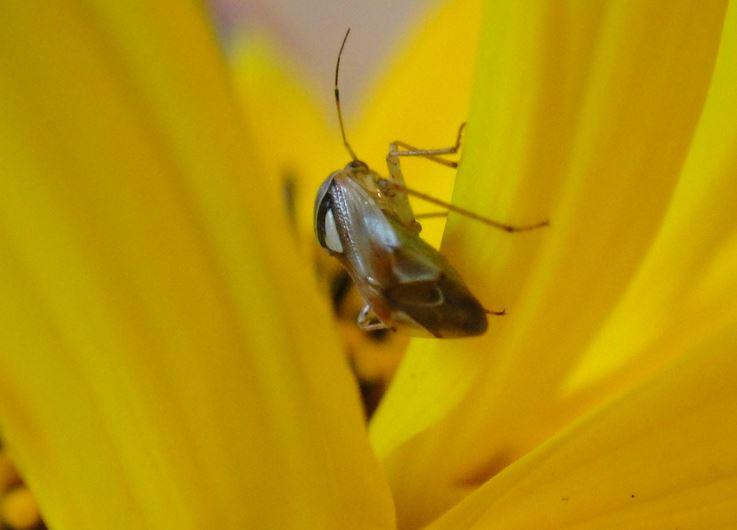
x=443, y=308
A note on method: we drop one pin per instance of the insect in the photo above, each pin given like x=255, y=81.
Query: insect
x=367, y=223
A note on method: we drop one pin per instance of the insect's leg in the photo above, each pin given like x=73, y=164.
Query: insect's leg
x=431, y=215
x=368, y=321
x=397, y=190
x=399, y=199
x=399, y=148
x=396, y=195
x=386, y=185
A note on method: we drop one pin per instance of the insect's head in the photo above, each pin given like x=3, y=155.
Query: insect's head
x=356, y=166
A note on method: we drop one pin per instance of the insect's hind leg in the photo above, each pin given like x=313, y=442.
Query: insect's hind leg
x=399, y=192
x=431, y=215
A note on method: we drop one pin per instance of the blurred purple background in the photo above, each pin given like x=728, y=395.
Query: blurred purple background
x=310, y=32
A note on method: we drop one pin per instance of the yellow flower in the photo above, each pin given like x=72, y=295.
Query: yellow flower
x=168, y=362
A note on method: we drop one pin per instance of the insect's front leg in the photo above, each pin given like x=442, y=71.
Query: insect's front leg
x=400, y=198
x=399, y=148
x=395, y=194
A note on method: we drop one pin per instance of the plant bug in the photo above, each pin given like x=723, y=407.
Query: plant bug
x=366, y=222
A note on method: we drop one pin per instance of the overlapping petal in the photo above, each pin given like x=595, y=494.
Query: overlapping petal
x=661, y=456
x=681, y=290
x=147, y=281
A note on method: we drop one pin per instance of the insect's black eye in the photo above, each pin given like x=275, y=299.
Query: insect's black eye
x=326, y=228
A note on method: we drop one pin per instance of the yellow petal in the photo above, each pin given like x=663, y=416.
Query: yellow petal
x=572, y=120
x=166, y=360
x=296, y=147
x=681, y=290
x=662, y=456
x=616, y=168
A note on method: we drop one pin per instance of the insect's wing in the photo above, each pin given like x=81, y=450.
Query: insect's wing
x=429, y=292
x=393, y=267
x=366, y=234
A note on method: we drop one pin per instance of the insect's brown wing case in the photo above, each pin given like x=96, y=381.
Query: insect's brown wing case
x=442, y=304
x=365, y=232
x=408, y=283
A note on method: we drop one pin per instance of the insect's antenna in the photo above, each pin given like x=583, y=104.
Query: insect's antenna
x=337, y=98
